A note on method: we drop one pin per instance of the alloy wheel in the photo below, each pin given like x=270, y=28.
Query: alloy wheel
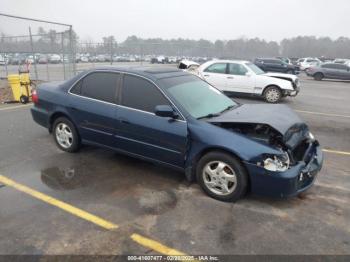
x=219, y=178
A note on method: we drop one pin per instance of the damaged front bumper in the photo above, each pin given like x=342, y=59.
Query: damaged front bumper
x=295, y=180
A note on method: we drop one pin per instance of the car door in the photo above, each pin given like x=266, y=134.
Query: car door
x=92, y=106
x=141, y=132
x=237, y=79
x=341, y=72
x=215, y=74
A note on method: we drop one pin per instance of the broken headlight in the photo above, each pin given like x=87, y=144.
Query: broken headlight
x=311, y=136
x=277, y=163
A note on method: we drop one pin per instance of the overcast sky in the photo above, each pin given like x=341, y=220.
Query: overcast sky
x=194, y=19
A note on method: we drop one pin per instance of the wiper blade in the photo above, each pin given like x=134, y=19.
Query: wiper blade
x=208, y=116
x=227, y=108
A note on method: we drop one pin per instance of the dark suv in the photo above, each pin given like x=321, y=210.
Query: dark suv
x=275, y=65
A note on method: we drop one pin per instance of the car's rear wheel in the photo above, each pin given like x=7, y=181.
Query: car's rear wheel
x=318, y=76
x=66, y=135
x=222, y=176
x=272, y=94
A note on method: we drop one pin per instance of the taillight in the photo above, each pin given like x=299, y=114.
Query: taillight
x=35, y=97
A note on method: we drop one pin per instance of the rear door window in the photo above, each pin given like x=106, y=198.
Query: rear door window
x=219, y=68
x=141, y=94
x=101, y=86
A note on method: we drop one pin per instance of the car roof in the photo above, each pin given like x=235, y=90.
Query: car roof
x=151, y=72
x=227, y=61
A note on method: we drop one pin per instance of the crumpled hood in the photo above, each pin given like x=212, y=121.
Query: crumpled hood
x=279, y=117
x=282, y=76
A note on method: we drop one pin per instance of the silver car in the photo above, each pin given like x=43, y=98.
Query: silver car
x=330, y=71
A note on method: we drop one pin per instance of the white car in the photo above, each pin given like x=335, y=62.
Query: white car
x=55, y=59
x=305, y=63
x=245, y=77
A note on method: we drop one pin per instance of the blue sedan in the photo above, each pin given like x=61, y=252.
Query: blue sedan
x=174, y=118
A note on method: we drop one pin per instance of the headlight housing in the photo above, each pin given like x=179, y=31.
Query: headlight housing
x=311, y=136
x=278, y=163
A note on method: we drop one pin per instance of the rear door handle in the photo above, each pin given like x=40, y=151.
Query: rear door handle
x=206, y=75
x=230, y=77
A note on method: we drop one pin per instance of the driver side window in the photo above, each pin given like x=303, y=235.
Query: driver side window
x=237, y=69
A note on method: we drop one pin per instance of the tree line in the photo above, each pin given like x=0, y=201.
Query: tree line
x=242, y=48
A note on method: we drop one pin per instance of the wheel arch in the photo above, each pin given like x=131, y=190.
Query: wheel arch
x=56, y=115
x=195, y=159
x=271, y=85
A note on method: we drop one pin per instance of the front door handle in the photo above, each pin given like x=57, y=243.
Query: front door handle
x=206, y=75
x=123, y=121
x=230, y=77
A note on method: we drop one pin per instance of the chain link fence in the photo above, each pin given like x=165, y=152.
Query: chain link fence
x=47, y=56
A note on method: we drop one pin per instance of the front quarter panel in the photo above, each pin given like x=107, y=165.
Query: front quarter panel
x=265, y=81
x=205, y=137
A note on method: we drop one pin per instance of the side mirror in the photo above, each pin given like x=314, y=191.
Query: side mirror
x=165, y=111
x=248, y=74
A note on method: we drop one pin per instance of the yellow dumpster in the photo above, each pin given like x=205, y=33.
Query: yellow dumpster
x=20, y=85
x=24, y=79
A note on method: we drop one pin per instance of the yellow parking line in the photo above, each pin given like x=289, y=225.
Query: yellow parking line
x=14, y=107
x=322, y=114
x=156, y=246
x=62, y=205
x=336, y=152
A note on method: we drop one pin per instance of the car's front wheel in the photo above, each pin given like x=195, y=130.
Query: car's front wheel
x=66, y=135
x=222, y=176
x=272, y=94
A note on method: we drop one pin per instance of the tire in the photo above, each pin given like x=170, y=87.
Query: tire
x=213, y=181
x=65, y=135
x=24, y=99
x=318, y=76
x=272, y=94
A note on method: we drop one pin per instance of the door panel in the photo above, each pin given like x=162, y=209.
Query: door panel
x=92, y=106
x=217, y=80
x=140, y=131
x=151, y=136
x=215, y=74
x=237, y=80
x=96, y=121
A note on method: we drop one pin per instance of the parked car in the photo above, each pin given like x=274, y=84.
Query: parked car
x=55, y=59
x=43, y=59
x=305, y=63
x=341, y=61
x=84, y=59
x=174, y=118
x=329, y=70
x=245, y=77
x=2, y=60
x=285, y=59
x=101, y=58
x=18, y=60
x=275, y=65
x=188, y=65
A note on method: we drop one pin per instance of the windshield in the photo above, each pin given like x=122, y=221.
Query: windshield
x=196, y=96
x=255, y=69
